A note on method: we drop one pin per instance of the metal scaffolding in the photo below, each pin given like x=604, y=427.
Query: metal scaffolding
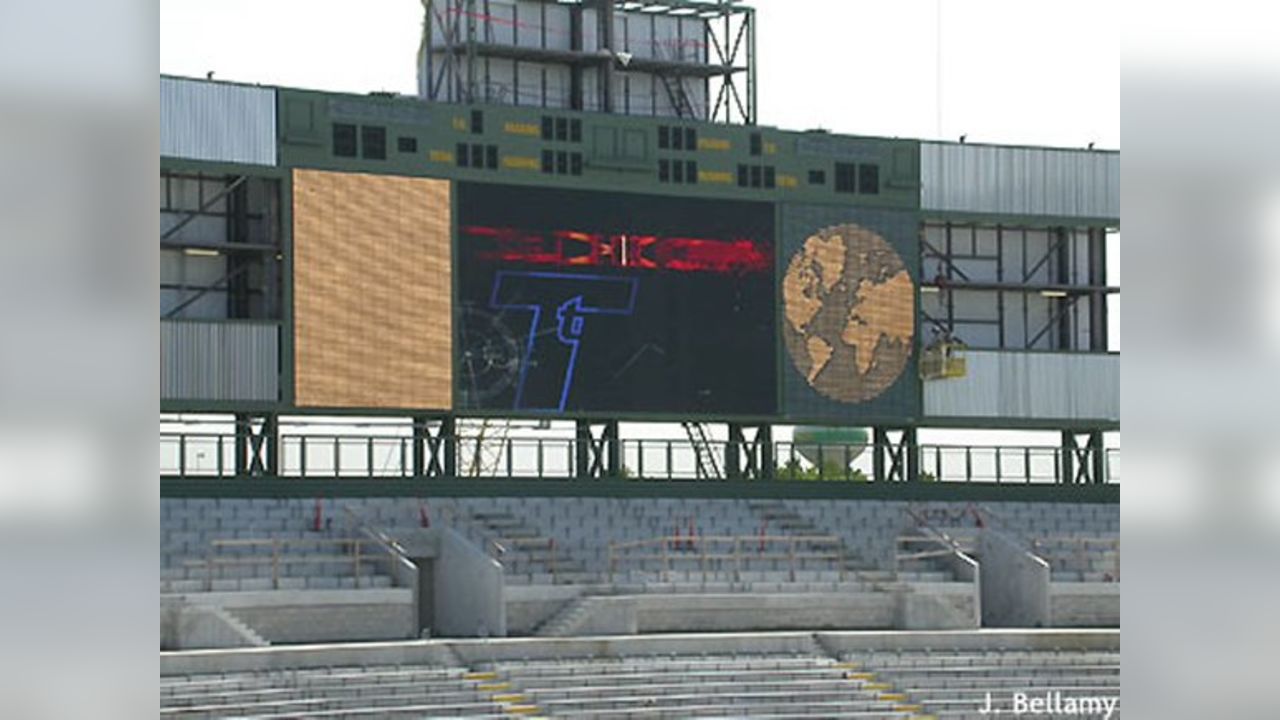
x=707, y=76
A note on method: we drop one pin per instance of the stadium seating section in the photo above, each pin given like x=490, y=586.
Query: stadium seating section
x=770, y=677
x=595, y=548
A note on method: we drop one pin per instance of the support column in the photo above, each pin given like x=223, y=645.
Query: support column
x=257, y=449
x=912, y=450
x=449, y=445
x=749, y=457
x=879, y=446
x=582, y=449
x=613, y=445
x=895, y=460
x=271, y=443
x=604, y=18
x=244, y=429
x=764, y=440
x=1083, y=462
x=421, y=432
x=435, y=454
x=1067, y=467
x=576, y=101
x=1098, y=454
x=1098, y=299
x=1066, y=239
x=597, y=453
x=733, y=452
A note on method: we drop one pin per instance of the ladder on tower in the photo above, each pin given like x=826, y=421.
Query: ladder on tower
x=704, y=455
x=674, y=84
x=490, y=447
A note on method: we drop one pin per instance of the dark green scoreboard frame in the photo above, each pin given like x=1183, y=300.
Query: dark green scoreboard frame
x=814, y=174
x=619, y=154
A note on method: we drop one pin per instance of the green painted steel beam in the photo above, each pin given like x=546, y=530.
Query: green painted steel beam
x=273, y=487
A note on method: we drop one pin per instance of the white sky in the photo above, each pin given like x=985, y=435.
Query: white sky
x=1014, y=71
x=1043, y=72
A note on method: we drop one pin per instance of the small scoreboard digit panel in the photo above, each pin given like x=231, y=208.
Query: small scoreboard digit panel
x=579, y=301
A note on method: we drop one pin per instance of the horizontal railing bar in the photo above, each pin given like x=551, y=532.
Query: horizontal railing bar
x=652, y=443
x=235, y=542
x=283, y=560
x=329, y=455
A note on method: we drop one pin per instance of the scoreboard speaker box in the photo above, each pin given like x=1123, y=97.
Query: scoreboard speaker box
x=372, y=291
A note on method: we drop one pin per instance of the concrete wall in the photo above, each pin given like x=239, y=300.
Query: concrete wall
x=450, y=652
x=351, y=622
x=1031, y=385
x=967, y=601
x=187, y=627
x=217, y=121
x=611, y=616
x=584, y=526
x=529, y=606
x=1015, y=583
x=219, y=360
x=1019, y=180
x=403, y=571
x=938, y=606
x=782, y=611
x=1084, y=604
x=308, y=616
x=468, y=589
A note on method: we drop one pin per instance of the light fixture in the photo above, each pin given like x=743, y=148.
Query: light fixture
x=1053, y=293
x=200, y=252
x=929, y=289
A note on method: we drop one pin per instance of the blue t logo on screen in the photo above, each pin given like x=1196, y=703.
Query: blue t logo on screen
x=560, y=307
x=574, y=302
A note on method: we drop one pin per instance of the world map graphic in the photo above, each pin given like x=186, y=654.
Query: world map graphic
x=850, y=313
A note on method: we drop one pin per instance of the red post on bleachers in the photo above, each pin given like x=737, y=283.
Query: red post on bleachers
x=689, y=542
x=424, y=516
x=317, y=523
x=764, y=527
x=977, y=518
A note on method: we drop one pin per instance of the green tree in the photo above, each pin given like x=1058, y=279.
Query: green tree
x=793, y=470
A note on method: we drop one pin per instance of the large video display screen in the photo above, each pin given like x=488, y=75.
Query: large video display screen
x=577, y=301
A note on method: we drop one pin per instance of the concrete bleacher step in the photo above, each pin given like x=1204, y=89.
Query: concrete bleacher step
x=276, y=699
x=806, y=683
x=261, y=584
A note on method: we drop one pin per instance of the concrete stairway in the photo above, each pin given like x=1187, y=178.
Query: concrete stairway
x=671, y=687
x=526, y=553
x=415, y=691
x=789, y=521
x=955, y=684
x=567, y=620
x=249, y=634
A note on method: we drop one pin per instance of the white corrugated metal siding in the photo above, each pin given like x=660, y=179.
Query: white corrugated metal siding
x=1019, y=181
x=219, y=361
x=1029, y=385
x=217, y=121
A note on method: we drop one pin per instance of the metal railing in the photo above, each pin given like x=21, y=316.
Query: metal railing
x=718, y=553
x=941, y=543
x=282, y=555
x=1082, y=550
x=499, y=548
x=198, y=454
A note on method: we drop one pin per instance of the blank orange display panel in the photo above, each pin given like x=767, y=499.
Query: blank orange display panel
x=372, y=292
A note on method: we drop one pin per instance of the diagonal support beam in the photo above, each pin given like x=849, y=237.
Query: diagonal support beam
x=193, y=214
